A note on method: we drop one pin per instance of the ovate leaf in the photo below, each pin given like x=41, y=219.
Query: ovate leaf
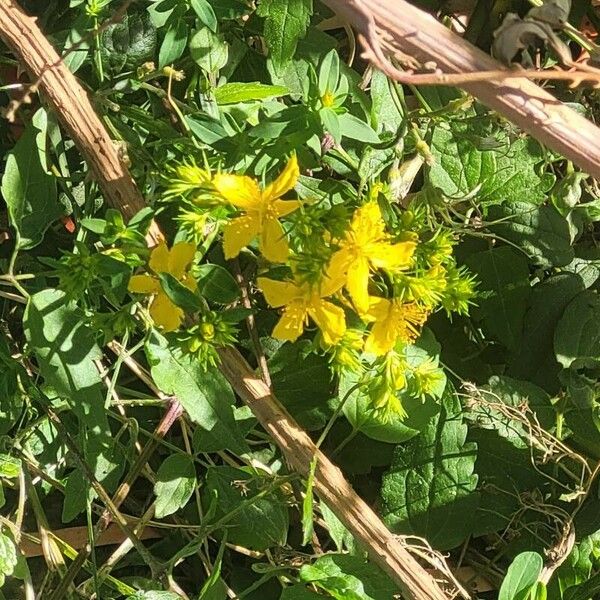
x=521, y=576
x=577, y=335
x=205, y=13
x=535, y=360
x=130, y=42
x=209, y=50
x=503, y=278
x=8, y=557
x=29, y=191
x=173, y=43
x=176, y=479
x=286, y=21
x=348, y=577
x=430, y=488
x=303, y=383
x=541, y=231
x=204, y=393
x=262, y=522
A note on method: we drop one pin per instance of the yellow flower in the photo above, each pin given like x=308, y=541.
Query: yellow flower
x=394, y=320
x=262, y=211
x=300, y=301
x=176, y=262
x=366, y=246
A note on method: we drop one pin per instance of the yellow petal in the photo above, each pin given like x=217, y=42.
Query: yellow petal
x=336, y=272
x=159, y=259
x=382, y=338
x=273, y=243
x=358, y=284
x=285, y=207
x=239, y=190
x=330, y=319
x=143, y=284
x=285, y=182
x=278, y=293
x=379, y=309
x=164, y=313
x=291, y=324
x=239, y=233
x=367, y=224
x=391, y=256
x=180, y=258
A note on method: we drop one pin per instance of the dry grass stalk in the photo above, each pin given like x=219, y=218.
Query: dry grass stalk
x=416, y=34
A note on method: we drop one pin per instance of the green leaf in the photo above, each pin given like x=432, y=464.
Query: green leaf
x=341, y=537
x=331, y=123
x=299, y=592
x=303, y=383
x=205, y=13
x=504, y=473
x=577, y=334
x=129, y=42
x=429, y=489
x=10, y=467
x=29, y=191
x=66, y=352
x=521, y=576
x=174, y=42
x=8, y=557
x=541, y=231
x=396, y=429
x=217, y=284
x=286, y=21
x=179, y=294
x=232, y=93
x=535, y=360
x=154, y=595
x=487, y=410
x=209, y=50
x=348, y=577
x=261, y=523
x=206, y=129
x=352, y=127
x=203, y=393
x=175, y=483
x=308, y=505
x=329, y=73
x=470, y=156
x=503, y=278
x=11, y=403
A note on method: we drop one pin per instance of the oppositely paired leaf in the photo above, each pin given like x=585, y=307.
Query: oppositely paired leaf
x=429, y=489
x=286, y=21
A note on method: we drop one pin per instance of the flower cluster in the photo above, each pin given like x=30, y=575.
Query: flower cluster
x=330, y=265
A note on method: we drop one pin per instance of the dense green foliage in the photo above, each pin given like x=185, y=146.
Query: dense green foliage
x=476, y=427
